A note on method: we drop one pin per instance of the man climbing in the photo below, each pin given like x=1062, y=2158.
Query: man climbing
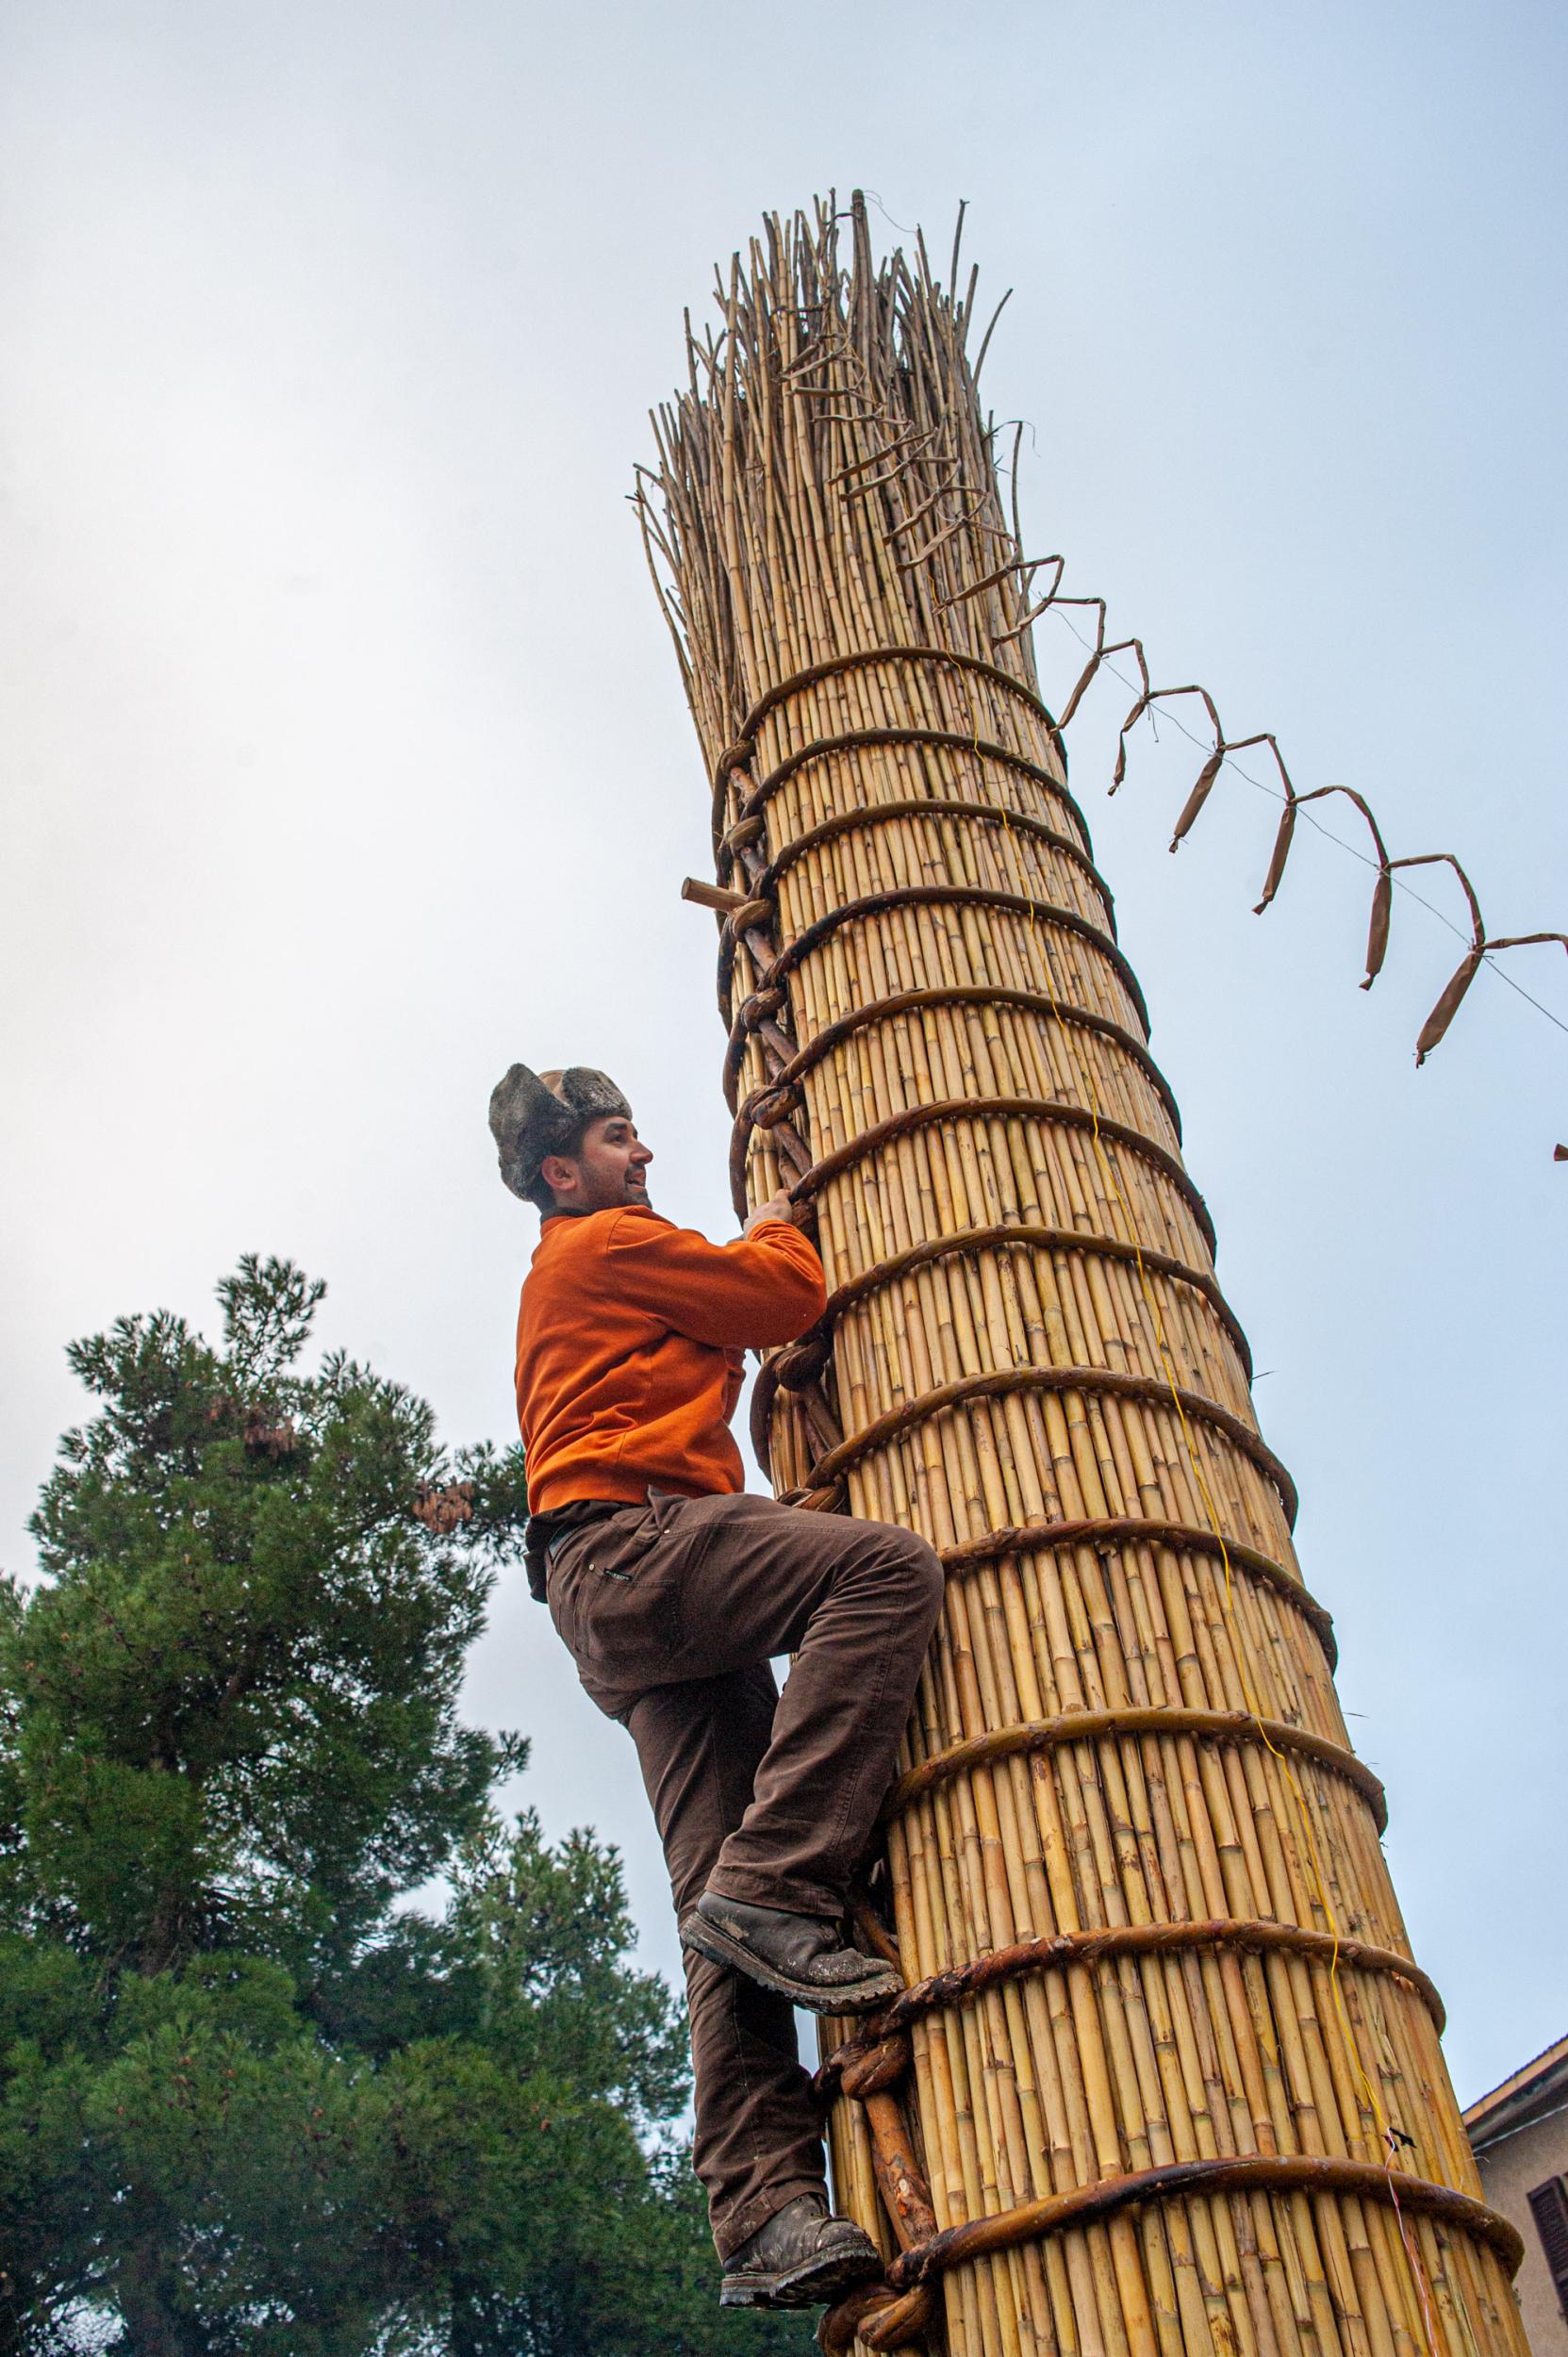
x=672, y=1589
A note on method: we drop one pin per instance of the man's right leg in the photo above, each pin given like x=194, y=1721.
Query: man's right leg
x=671, y=1614
x=758, y=2142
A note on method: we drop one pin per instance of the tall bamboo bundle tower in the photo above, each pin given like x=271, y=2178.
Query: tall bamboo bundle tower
x=1166, y=2077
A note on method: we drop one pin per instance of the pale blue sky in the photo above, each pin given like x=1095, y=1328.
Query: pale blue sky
x=346, y=760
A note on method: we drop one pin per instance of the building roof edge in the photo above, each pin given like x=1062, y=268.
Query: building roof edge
x=1538, y=2087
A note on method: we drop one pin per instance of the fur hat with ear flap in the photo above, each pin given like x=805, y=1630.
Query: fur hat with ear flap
x=535, y=1113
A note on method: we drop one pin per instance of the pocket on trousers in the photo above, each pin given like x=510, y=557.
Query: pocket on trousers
x=684, y=1529
x=614, y=1588
x=615, y=1547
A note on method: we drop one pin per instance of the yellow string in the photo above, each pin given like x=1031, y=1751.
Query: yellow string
x=1086, y=1080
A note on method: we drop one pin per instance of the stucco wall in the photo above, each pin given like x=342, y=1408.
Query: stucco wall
x=1509, y=2169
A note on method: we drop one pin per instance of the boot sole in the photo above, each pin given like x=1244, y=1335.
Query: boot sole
x=710, y=1940
x=815, y=2283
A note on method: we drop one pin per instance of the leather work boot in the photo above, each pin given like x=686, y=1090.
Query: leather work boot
x=798, y=1956
x=801, y=2257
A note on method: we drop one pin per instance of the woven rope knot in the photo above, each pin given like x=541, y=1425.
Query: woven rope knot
x=766, y=1107
x=873, y=2069
x=761, y=1004
x=879, y=2316
x=801, y=1363
x=757, y=910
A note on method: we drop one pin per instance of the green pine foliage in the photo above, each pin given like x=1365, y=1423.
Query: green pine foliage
x=250, y=2100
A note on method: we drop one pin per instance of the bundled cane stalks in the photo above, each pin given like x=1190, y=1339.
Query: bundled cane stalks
x=1165, y=2086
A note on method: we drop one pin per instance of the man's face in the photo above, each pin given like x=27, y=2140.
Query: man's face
x=609, y=1169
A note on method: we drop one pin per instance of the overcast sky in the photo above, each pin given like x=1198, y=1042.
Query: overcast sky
x=345, y=759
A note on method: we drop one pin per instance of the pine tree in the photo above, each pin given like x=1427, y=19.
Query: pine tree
x=250, y=2100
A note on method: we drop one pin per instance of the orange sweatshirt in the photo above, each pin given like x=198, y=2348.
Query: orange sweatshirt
x=631, y=1336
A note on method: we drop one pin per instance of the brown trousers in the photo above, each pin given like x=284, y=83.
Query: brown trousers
x=673, y=1612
